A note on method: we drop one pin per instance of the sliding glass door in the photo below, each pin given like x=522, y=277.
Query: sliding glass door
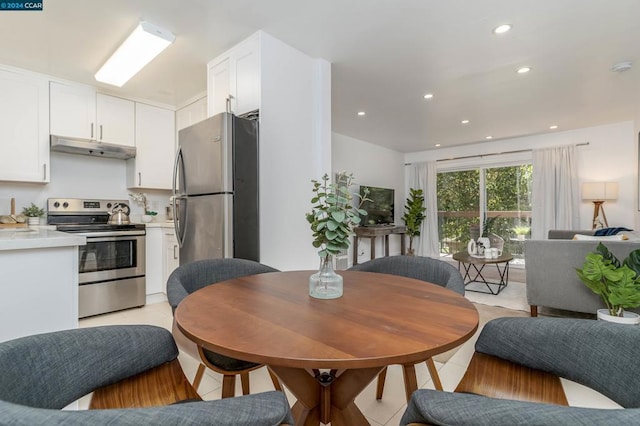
x=496, y=198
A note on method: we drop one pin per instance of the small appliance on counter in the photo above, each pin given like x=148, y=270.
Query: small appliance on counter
x=112, y=264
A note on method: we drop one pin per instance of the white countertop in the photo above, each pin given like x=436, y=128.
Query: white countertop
x=37, y=237
x=159, y=225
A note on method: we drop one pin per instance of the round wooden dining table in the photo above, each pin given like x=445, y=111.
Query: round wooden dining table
x=327, y=351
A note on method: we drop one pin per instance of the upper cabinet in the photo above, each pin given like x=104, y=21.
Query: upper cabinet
x=152, y=168
x=191, y=114
x=78, y=111
x=24, y=127
x=233, y=79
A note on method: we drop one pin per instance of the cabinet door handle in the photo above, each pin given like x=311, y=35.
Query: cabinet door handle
x=228, y=103
x=139, y=178
x=91, y=130
x=44, y=168
x=175, y=257
x=101, y=132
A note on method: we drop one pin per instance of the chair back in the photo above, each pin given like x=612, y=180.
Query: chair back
x=193, y=276
x=421, y=268
x=597, y=354
x=52, y=370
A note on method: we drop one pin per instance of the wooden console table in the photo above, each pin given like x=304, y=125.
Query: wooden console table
x=372, y=232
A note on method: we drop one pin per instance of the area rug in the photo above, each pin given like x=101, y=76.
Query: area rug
x=513, y=296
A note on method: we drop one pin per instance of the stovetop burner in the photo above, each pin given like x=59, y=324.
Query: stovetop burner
x=85, y=215
x=97, y=227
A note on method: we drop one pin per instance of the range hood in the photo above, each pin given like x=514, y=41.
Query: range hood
x=91, y=147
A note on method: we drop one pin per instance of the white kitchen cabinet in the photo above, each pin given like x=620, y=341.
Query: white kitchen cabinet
x=191, y=114
x=152, y=166
x=24, y=124
x=154, y=253
x=162, y=254
x=78, y=111
x=234, y=78
x=171, y=252
x=116, y=120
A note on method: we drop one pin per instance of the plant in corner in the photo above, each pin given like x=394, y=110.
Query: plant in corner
x=618, y=284
x=140, y=198
x=332, y=219
x=413, y=216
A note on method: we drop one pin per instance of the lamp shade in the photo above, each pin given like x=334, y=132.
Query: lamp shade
x=599, y=191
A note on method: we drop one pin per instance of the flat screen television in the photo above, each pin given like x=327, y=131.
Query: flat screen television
x=380, y=210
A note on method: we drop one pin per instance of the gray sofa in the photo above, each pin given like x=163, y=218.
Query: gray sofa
x=550, y=269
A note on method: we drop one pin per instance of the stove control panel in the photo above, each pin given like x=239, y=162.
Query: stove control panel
x=78, y=205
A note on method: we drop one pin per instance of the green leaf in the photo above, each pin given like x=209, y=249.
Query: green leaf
x=338, y=216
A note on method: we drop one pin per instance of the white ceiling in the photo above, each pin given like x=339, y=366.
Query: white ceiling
x=385, y=55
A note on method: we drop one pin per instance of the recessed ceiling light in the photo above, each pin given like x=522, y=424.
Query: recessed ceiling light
x=361, y=113
x=501, y=29
x=437, y=144
x=488, y=137
x=465, y=122
x=428, y=96
x=524, y=70
x=555, y=126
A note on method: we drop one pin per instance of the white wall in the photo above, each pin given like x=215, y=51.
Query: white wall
x=371, y=165
x=78, y=176
x=611, y=156
x=295, y=147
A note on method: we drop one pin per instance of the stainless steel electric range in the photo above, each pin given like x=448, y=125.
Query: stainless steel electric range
x=111, y=265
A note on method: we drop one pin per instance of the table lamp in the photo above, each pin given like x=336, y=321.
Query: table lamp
x=598, y=193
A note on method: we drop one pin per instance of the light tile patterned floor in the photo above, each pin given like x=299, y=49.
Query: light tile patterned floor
x=388, y=411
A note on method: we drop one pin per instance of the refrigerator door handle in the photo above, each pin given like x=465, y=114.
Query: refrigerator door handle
x=177, y=222
x=177, y=167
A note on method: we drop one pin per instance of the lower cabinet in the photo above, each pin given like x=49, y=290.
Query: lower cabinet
x=171, y=252
x=162, y=257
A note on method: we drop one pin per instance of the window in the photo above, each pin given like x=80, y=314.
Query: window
x=501, y=196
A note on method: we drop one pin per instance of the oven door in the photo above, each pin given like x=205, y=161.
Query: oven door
x=106, y=258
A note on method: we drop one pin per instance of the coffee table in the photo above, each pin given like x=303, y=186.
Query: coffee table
x=327, y=351
x=478, y=263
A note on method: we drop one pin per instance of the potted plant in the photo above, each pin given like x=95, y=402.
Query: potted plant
x=332, y=219
x=618, y=284
x=140, y=198
x=33, y=214
x=521, y=232
x=413, y=216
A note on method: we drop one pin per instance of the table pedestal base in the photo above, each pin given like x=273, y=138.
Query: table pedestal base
x=478, y=278
x=326, y=397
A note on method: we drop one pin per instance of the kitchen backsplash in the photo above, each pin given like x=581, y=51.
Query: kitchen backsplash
x=76, y=176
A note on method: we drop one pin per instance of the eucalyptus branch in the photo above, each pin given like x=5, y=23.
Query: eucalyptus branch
x=333, y=216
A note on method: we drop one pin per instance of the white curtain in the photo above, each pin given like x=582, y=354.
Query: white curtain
x=555, y=196
x=424, y=176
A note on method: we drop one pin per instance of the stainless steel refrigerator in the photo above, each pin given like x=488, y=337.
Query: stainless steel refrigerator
x=215, y=188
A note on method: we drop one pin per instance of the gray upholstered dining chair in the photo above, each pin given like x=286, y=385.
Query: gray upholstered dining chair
x=193, y=276
x=124, y=366
x=420, y=268
x=521, y=358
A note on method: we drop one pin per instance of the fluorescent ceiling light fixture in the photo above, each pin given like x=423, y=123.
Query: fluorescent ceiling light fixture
x=144, y=44
x=361, y=113
x=465, y=122
x=501, y=29
x=437, y=144
x=555, y=126
x=488, y=137
x=523, y=70
x=428, y=96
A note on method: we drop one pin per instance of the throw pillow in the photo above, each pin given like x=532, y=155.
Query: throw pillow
x=610, y=231
x=579, y=237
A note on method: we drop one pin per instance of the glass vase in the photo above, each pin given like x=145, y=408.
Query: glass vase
x=325, y=284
